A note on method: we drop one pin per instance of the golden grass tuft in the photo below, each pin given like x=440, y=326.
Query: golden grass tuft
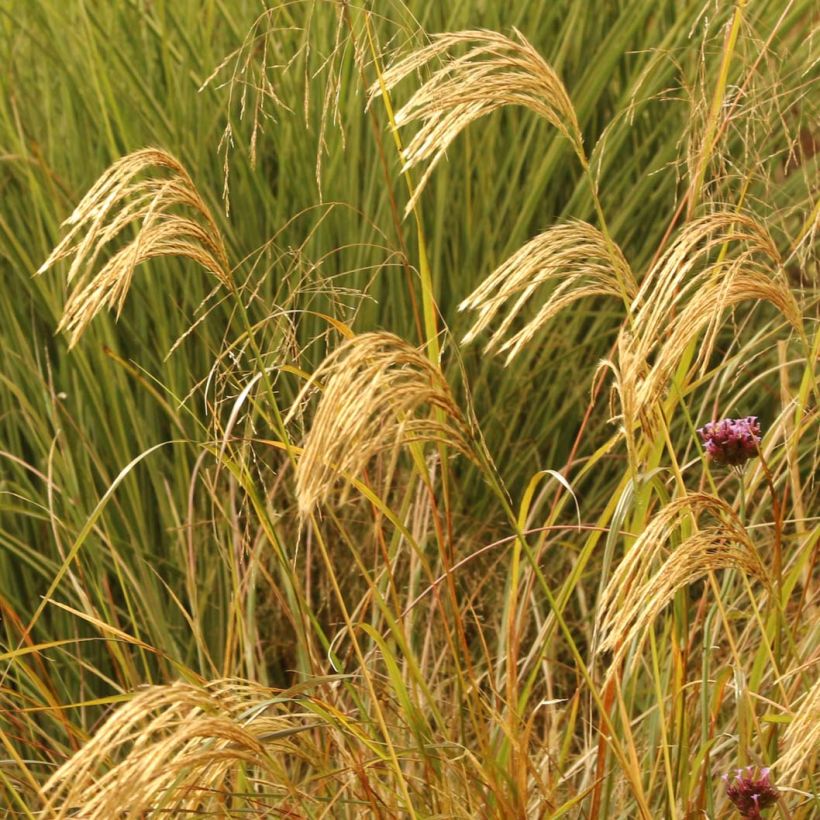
x=650, y=574
x=577, y=254
x=801, y=740
x=496, y=71
x=122, y=198
x=378, y=392
x=178, y=748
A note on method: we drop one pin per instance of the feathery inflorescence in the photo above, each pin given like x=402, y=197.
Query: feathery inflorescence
x=179, y=747
x=377, y=393
x=683, y=295
x=576, y=256
x=169, y=215
x=496, y=71
x=650, y=574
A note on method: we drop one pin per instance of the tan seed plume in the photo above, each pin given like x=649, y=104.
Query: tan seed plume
x=170, y=218
x=653, y=570
x=496, y=71
x=178, y=747
x=689, y=265
x=685, y=294
x=577, y=256
x=630, y=372
x=378, y=393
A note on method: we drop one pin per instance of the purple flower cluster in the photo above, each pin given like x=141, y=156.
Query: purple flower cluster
x=751, y=794
x=731, y=441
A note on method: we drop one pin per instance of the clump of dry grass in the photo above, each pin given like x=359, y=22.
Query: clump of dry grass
x=496, y=71
x=121, y=199
x=801, y=740
x=378, y=392
x=178, y=748
x=633, y=598
x=577, y=254
x=469, y=697
x=685, y=293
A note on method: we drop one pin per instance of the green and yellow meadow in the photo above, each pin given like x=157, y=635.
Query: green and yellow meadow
x=408, y=409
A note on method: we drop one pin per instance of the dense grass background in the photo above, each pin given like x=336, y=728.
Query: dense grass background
x=193, y=564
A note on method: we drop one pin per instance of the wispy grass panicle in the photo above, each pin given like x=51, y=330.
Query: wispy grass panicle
x=575, y=257
x=170, y=219
x=650, y=574
x=629, y=371
x=377, y=393
x=261, y=80
x=180, y=747
x=712, y=251
x=496, y=71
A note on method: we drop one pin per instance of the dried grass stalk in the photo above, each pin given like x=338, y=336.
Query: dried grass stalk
x=650, y=574
x=379, y=393
x=577, y=255
x=169, y=215
x=630, y=373
x=801, y=740
x=175, y=748
x=496, y=71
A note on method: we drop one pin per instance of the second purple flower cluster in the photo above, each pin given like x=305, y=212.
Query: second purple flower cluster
x=731, y=441
x=751, y=792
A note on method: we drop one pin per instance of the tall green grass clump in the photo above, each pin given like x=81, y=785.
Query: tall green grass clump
x=409, y=409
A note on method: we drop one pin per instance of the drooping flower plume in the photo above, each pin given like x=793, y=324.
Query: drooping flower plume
x=731, y=441
x=751, y=792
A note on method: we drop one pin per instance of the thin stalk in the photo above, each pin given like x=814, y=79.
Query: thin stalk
x=382, y=723
x=776, y=601
x=632, y=776
x=427, y=293
x=711, y=132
